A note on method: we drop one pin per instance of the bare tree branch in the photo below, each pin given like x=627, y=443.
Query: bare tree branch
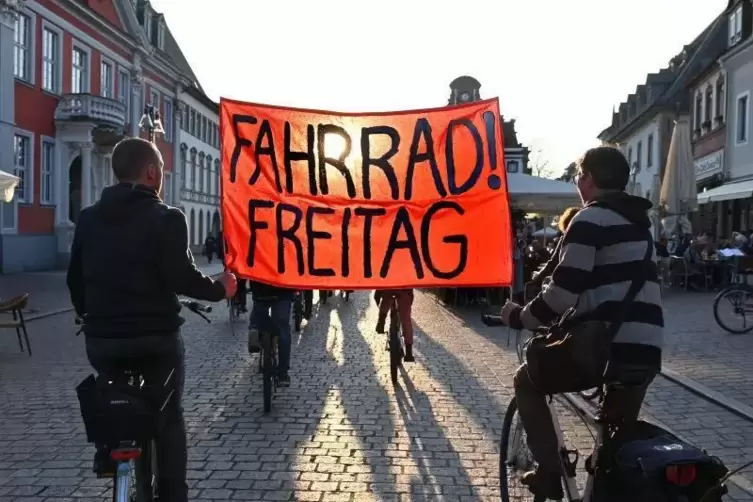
x=539, y=165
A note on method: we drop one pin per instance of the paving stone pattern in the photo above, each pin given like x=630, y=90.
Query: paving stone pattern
x=699, y=349
x=340, y=432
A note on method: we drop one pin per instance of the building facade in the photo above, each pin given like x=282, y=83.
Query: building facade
x=74, y=79
x=722, y=146
x=643, y=125
x=199, y=165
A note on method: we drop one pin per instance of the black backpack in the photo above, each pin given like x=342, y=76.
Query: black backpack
x=643, y=462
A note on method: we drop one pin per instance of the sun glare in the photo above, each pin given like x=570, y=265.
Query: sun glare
x=334, y=146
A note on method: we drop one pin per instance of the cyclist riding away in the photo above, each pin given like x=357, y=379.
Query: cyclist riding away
x=129, y=261
x=404, y=298
x=277, y=303
x=603, y=250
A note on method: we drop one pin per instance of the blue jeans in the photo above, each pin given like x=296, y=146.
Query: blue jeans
x=280, y=318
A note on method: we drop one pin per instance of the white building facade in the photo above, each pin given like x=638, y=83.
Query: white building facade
x=199, y=165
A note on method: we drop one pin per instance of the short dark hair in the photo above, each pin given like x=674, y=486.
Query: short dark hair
x=607, y=166
x=131, y=156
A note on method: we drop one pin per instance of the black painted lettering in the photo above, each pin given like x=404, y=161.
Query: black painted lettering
x=312, y=236
x=339, y=162
x=290, y=156
x=345, y=263
x=254, y=225
x=402, y=221
x=240, y=143
x=422, y=131
x=289, y=234
x=265, y=145
x=382, y=162
x=460, y=239
x=450, y=157
x=368, y=213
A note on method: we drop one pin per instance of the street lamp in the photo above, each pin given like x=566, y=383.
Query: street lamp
x=151, y=122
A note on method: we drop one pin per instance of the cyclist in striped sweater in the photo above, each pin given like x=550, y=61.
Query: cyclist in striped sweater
x=603, y=250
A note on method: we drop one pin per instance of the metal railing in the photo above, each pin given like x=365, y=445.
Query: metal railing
x=97, y=109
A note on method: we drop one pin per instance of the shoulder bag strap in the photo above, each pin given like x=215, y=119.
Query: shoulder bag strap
x=632, y=292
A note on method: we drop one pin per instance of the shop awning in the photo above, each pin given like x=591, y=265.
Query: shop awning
x=728, y=191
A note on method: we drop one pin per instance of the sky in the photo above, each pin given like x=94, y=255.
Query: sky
x=558, y=67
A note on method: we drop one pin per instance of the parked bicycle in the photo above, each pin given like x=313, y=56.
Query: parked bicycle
x=649, y=455
x=123, y=416
x=740, y=298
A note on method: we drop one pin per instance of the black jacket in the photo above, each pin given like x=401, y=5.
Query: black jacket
x=129, y=261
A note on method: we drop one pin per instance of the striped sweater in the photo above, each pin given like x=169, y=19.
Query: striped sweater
x=602, y=251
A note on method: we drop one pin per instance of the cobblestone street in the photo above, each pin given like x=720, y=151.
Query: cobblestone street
x=341, y=431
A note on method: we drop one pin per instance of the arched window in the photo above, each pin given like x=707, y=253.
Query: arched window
x=217, y=175
x=184, y=164
x=707, y=117
x=192, y=230
x=210, y=167
x=201, y=172
x=720, y=102
x=201, y=226
x=193, y=169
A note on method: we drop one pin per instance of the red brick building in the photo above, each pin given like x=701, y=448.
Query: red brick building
x=74, y=78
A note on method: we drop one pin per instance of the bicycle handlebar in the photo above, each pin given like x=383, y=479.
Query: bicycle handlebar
x=195, y=306
x=492, y=320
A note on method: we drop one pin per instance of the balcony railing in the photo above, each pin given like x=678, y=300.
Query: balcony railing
x=201, y=198
x=87, y=107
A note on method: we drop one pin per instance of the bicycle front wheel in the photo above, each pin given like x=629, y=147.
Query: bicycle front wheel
x=737, y=300
x=514, y=457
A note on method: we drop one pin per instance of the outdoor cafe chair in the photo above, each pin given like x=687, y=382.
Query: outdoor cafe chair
x=15, y=307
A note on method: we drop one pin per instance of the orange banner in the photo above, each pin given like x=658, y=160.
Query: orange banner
x=324, y=200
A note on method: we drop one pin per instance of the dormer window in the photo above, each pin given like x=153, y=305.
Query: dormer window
x=735, y=25
x=148, y=24
x=161, y=36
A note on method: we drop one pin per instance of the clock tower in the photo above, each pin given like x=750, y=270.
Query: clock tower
x=464, y=90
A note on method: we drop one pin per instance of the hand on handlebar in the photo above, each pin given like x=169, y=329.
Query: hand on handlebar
x=503, y=319
x=230, y=282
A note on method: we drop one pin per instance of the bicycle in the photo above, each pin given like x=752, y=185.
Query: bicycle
x=740, y=296
x=122, y=417
x=512, y=461
x=269, y=341
x=395, y=340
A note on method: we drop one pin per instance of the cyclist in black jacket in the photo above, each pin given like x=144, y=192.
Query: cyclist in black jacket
x=129, y=261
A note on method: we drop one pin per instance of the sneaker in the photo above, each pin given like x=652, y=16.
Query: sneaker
x=542, y=484
x=380, y=327
x=409, y=354
x=283, y=380
x=104, y=465
x=253, y=341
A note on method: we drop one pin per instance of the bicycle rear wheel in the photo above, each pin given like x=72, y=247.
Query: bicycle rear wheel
x=145, y=471
x=514, y=458
x=740, y=297
x=268, y=370
x=396, y=346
